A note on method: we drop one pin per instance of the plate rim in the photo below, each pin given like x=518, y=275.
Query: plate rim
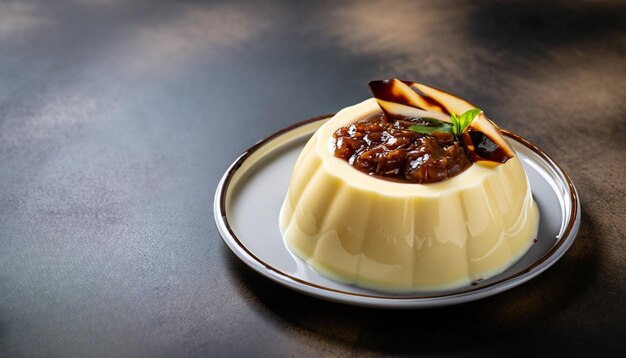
x=373, y=300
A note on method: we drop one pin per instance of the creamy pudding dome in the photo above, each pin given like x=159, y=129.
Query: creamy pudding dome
x=413, y=190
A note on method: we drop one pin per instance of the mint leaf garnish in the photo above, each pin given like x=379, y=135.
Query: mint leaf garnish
x=434, y=125
x=460, y=123
x=458, y=126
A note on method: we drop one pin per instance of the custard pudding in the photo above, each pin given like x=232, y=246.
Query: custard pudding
x=413, y=190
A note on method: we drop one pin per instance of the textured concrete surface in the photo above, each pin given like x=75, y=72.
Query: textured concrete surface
x=118, y=118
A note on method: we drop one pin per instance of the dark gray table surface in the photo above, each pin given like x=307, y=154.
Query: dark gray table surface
x=118, y=118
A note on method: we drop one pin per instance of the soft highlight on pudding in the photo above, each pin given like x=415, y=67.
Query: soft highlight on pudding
x=401, y=237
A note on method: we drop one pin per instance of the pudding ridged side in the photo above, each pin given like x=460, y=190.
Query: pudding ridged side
x=363, y=235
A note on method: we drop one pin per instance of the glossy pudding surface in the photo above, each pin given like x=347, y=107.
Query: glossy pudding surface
x=400, y=236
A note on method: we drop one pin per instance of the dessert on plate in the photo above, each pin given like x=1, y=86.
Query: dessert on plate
x=412, y=190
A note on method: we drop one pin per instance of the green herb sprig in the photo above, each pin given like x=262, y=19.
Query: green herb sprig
x=456, y=128
x=435, y=125
x=460, y=123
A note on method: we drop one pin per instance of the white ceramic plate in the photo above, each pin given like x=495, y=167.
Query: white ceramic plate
x=251, y=192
